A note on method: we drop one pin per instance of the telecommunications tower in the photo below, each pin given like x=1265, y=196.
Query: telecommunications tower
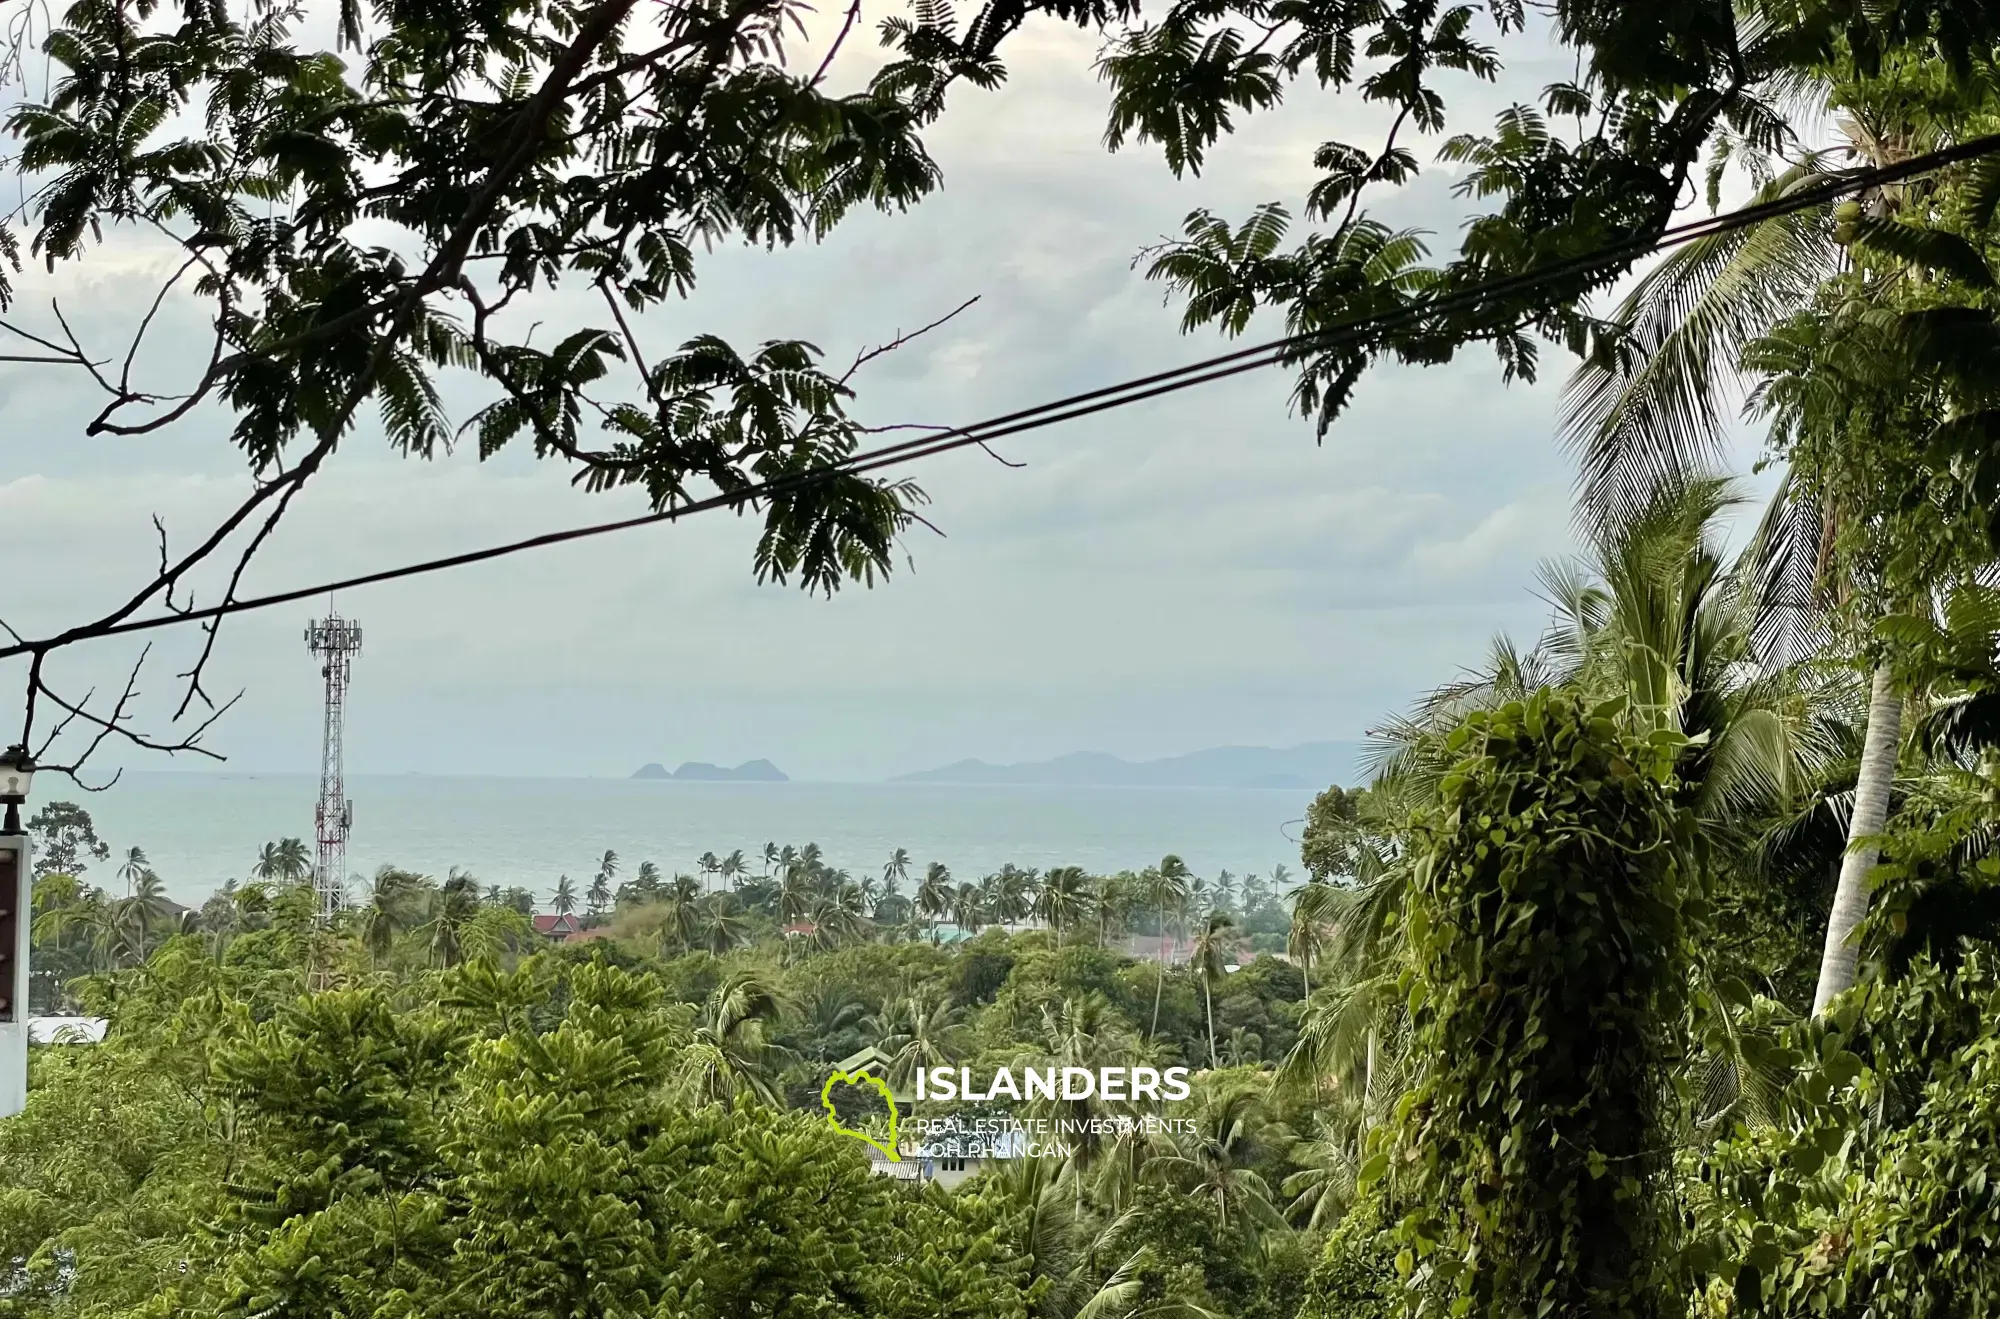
x=334, y=641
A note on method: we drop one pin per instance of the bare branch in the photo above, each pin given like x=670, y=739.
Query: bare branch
x=870, y=354
x=638, y=358
x=118, y=722
x=925, y=426
x=214, y=625
x=839, y=40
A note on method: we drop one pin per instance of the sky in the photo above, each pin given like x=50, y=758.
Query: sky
x=1189, y=572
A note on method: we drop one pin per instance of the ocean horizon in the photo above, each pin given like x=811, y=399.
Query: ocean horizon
x=200, y=829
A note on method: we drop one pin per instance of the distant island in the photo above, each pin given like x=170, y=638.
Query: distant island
x=1313, y=765
x=750, y=771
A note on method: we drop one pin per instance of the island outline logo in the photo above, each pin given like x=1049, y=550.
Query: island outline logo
x=833, y=1117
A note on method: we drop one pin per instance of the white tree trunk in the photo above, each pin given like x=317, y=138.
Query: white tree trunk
x=1879, y=747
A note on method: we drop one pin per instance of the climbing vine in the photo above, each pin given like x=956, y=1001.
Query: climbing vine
x=1547, y=931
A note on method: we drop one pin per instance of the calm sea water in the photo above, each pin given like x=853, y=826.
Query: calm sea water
x=200, y=829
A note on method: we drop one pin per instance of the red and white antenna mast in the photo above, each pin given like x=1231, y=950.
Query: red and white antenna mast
x=334, y=641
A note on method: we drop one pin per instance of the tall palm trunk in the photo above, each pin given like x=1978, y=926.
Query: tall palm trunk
x=1879, y=747
x=1208, y=1001
x=1159, y=980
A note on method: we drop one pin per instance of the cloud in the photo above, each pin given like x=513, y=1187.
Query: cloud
x=1190, y=571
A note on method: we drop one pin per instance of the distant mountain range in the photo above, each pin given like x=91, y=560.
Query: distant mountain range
x=1313, y=765
x=750, y=771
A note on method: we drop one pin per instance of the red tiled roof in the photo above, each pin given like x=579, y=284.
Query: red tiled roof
x=556, y=924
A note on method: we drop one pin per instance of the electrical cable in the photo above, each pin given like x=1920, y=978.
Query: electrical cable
x=1205, y=371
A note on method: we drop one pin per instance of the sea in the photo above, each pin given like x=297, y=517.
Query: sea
x=198, y=830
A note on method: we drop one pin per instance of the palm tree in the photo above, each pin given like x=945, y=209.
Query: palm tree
x=284, y=862
x=895, y=871
x=709, y=864
x=934, y=896
x=770, y=858
x=1218, y=1162
x=1717, y=311
x=1167, y=892
x=920, y=1032
x=1112, y=900
x=1063, y=900
x=795, y=894
x=720, y=927
x=599, y=893
x=840, y=916
x=968, y=907
x=564, y=898
x=683, y=914
x=135, y=917
x=1325, y=1182
x=133, y=866
x=387, y=911
x=1009, y=894
x=730, y=1053
x=1210, y=945
x=733, y=868
x=454, y=906
x=1315, y=905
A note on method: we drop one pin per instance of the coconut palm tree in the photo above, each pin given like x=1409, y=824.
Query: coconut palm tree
x=968, y=907
x=733, y=868
x=388, y=910
x=1324, y=1184
x=564, y=898
x=133, y=866
x=1007, y=895
x=709, y=864
x=1212, y=944
x=453, y=907
x=731, y=1052
x=1111, y=900
x=721, y=926
x=1706, y=321
x=770, y=859
x=895, y=871
x=283, y=862
x=599, y=893
x=796, y=894
x=1218, y=1161
x=840, y=915
x=1063, y=901
x=934, y=896
x=919, y=1032
x=1315, y=906
x=683, y=914
x=138, y=915
x=1166, y=891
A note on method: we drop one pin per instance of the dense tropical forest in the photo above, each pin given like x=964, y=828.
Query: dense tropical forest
x=1651, y=972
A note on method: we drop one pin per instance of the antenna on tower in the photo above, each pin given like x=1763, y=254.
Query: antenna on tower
x=334, y=641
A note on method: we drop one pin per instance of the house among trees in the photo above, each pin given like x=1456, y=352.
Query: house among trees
x=558, y=928
x=928, y=1159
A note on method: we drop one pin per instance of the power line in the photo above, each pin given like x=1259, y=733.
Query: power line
x=1075, y=406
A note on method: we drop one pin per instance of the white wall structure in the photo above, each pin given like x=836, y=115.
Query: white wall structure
x=15, y=911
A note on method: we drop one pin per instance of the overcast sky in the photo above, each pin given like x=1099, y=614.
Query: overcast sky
x=1185, y=573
